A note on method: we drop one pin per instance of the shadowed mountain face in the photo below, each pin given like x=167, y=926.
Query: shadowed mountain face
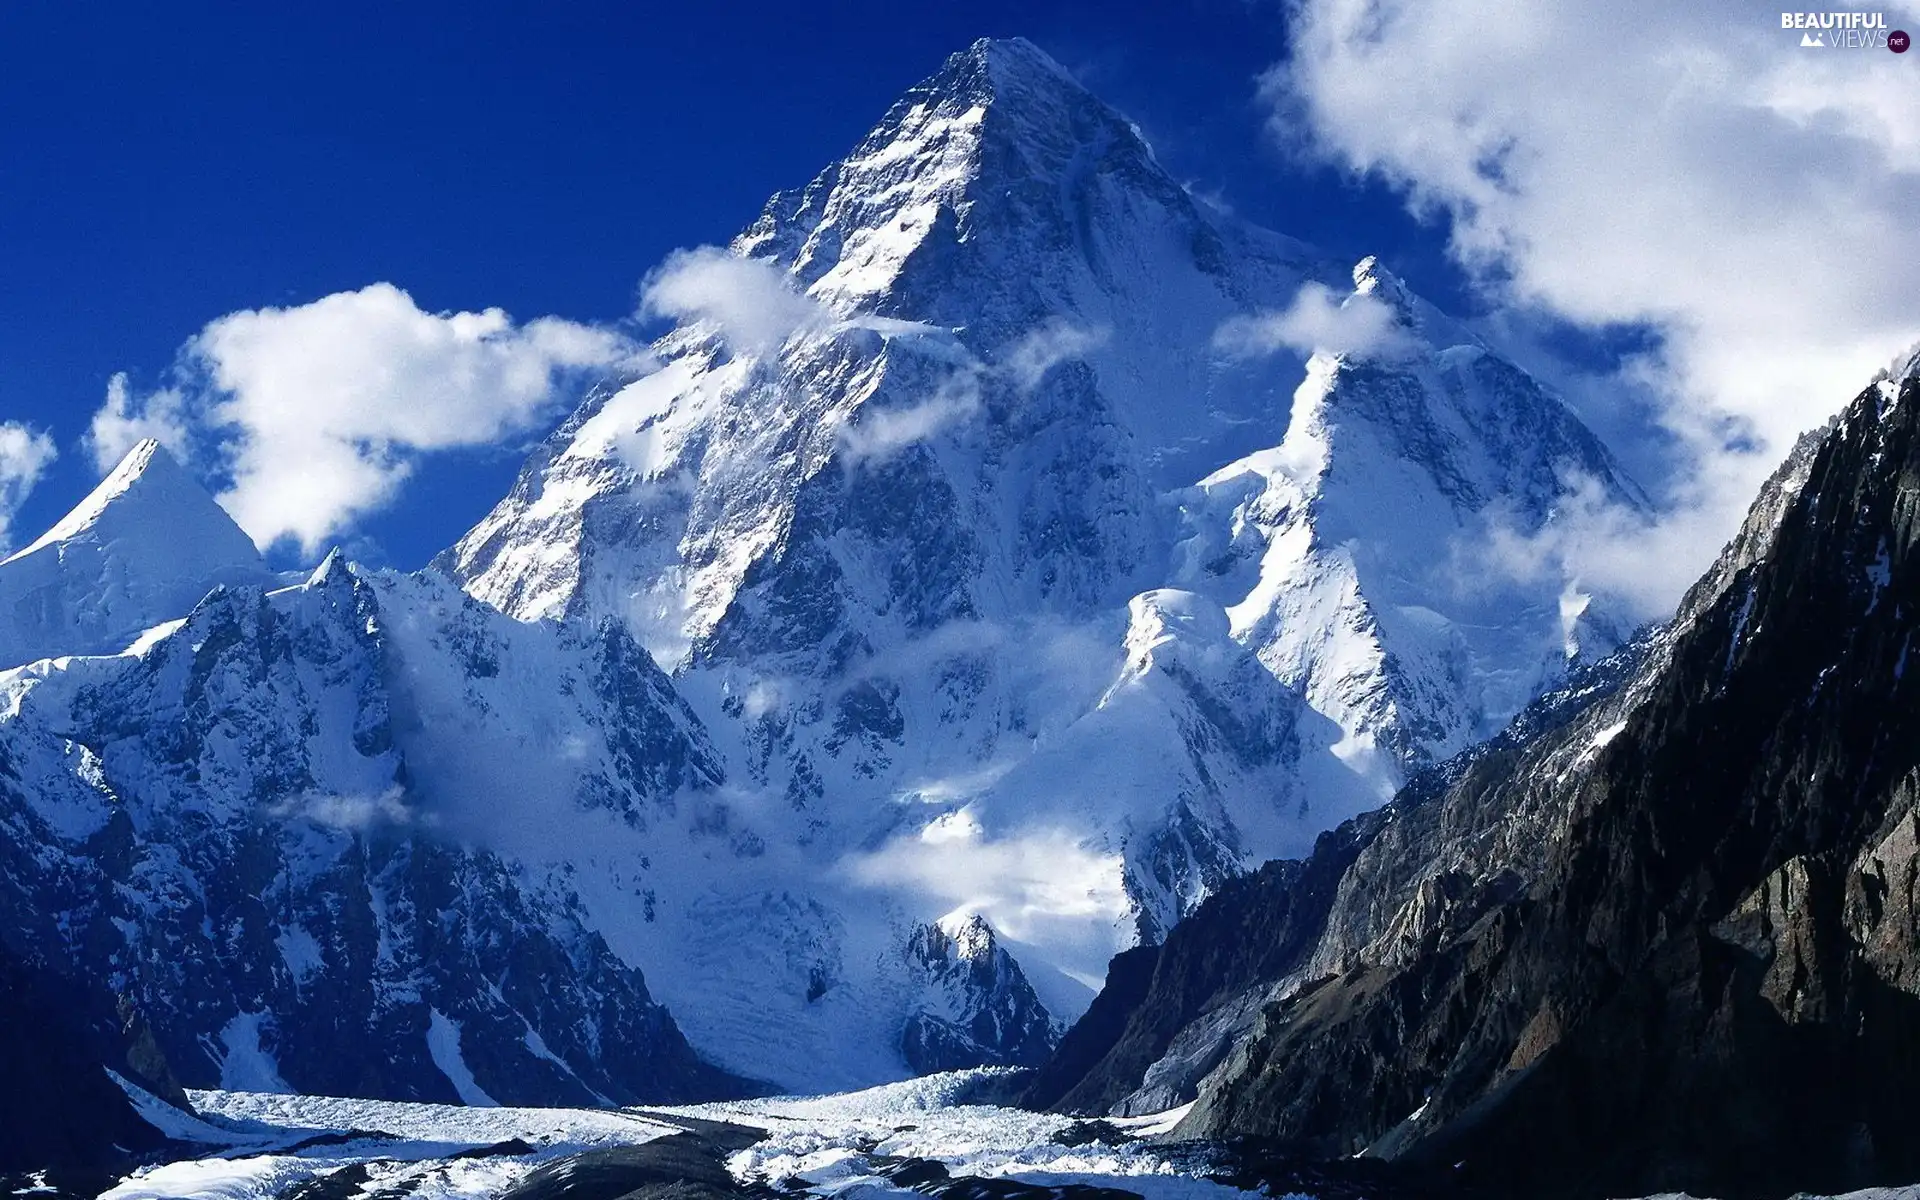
x=1663, y=937
x=61, y=1108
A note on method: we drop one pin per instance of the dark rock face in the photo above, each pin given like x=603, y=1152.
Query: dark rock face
x=685, y=1166
x=1256, y=929
x=1691, y=959
x=59, y=1107
x=1170, y=1014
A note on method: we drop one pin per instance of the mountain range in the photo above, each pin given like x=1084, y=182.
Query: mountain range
x=984, y=581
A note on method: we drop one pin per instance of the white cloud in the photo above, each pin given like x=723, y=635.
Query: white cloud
x=1055, y=342
x=875, y=434
x=124, y=421
x=1687, y=167
x=322, y=410
x=355, y=813
x=750, y=302
x=1594, y=545
x=1317, y=322
x=753, y=303
x=25, y=455
x=1030, y=885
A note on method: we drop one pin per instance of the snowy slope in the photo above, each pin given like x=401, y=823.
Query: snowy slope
x=1358, y=558
x=274, y=831
x=999, y=586
x=143, y=548
x=850, y=1145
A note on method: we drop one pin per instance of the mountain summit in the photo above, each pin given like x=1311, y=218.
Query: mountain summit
x=975, y=548
x=142, y=548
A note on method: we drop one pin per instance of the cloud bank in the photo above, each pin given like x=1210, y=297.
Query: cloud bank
x=315, y=415
x=1687, y=168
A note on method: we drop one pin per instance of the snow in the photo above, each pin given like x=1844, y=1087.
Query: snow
x=246, y=1064
x=443, y=1043
x=406, y=1147
x=140, y=550
x=301, y=952
x=431, y=1123
x=217, y=1179
x=828, y=1143
x=834, y=1143
x=1606, y=735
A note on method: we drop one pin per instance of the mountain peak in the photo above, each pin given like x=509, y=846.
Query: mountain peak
x=143, y=547
x=145, y=470
x=1371, y=278
x=1012, y=64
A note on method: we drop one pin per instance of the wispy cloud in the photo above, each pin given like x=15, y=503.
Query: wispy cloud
x=1022, y=882
x=126, y=419
x=1057, y=341
x=878, y=433
x=1317, y=322
x=355, y=813
x=752, y=303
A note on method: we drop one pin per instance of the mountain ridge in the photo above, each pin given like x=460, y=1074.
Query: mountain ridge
x=1684, y=959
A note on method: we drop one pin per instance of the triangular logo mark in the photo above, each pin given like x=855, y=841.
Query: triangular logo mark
x=1813, y=39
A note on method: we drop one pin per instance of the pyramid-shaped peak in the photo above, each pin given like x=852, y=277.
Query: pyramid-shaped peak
x=1372, y=278
x=997, y=68
x=1016, y=61
x=149, y=495
x=333, y=569
x=1022, y=87
x=143, y=548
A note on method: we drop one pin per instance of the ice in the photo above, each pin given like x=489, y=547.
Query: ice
x=443, y=1043
x=246, y=1064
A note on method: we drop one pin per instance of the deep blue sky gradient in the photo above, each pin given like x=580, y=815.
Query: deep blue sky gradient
x=163, y=164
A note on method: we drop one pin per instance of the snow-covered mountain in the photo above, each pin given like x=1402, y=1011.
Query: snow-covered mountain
x=1012, y=592
x=1659, y=936
x=1004, y=615
x=144, y=547
x=273, y=830
x=1359, y=557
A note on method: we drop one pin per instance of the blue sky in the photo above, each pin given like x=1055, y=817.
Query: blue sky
x=168, y=164
x=1702, y=231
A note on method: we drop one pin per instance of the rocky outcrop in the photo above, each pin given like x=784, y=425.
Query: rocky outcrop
x=61, y=1107
x=978, y=1008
